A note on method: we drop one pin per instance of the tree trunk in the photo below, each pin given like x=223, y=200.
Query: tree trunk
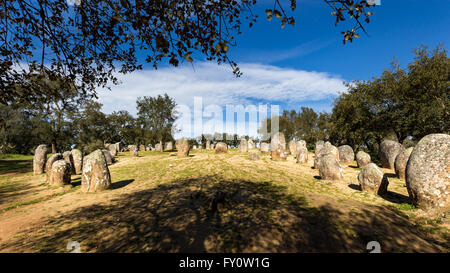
x=54, y=147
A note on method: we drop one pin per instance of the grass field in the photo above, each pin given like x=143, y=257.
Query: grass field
x=161, y=203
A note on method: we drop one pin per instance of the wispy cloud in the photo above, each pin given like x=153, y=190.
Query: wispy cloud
x=217, y=85
x=271, y=56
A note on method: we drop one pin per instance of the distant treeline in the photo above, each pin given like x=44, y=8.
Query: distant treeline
x=401, y=104
x=404, y=104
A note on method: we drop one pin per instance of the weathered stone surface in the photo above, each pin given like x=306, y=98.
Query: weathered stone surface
x=119, y=147
x=362, y=159
x=48, y=166
x=109, y=158
x=221, y=148
x=77, y=156
x=373, y=180
x=302, y=154
x=60, y=173
x=243, y=146
x=346, y=154
x=95, y=176
x=168, y=146
x=251, y=144
x=278, y=146
x=157, y=147
x=194, y=147
x=112, y=149
x=39, y=159
x=301, y=144
x=213, y=146
x=318, y=146
x=264, y=147
x=142, y=147
x=182, y=147
x=330, y=169
x=428, y=173
x=254, y=156
x=208, y=145
x=134, y=151
x=327, y=149
x=400, y=162
x=292, y=147
x=160, y=147
x=387, y=153
x=68, y=157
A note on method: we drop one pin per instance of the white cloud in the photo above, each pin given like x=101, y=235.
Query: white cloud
x=217, y=85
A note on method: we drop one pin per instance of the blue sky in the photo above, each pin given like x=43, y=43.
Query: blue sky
x=296, y=66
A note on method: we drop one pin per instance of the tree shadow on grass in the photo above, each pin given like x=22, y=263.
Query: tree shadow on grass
x=396, y=198
x=355, y=187
x=390, y=175
x=9, y=193
x=116, y=185
x=15, y=166
x=253, y=217
x=121, y=184
x=76, y=182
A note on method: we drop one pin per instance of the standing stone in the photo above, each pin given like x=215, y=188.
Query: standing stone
x=327, y=149
x=212, y=146
x=301, y=144
x=161, y=146
x=96, y=176
x=208, y=144
x=254, y=156
x=112, y=149
x=302, y=154
x=251, y=144
x=330, y=169
x=133, y=150
x=388, y=151
x=373, y=180
x=346, y=154
x=39, y=159
x=118, y=147
x=109, y=158
x=168, y=146
x=142, y=148
x=77, y=156
x=60, y=173
x=243, y=146
x=182, y=147
x=428, y=172
x=292, y=148
x=278, y=146
x=194, y=147
x=68, y=157
x=400, y=162
x=362, y=159
x=319, y=144
x=221, y=148
x=48, y=166
x=264, y=147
